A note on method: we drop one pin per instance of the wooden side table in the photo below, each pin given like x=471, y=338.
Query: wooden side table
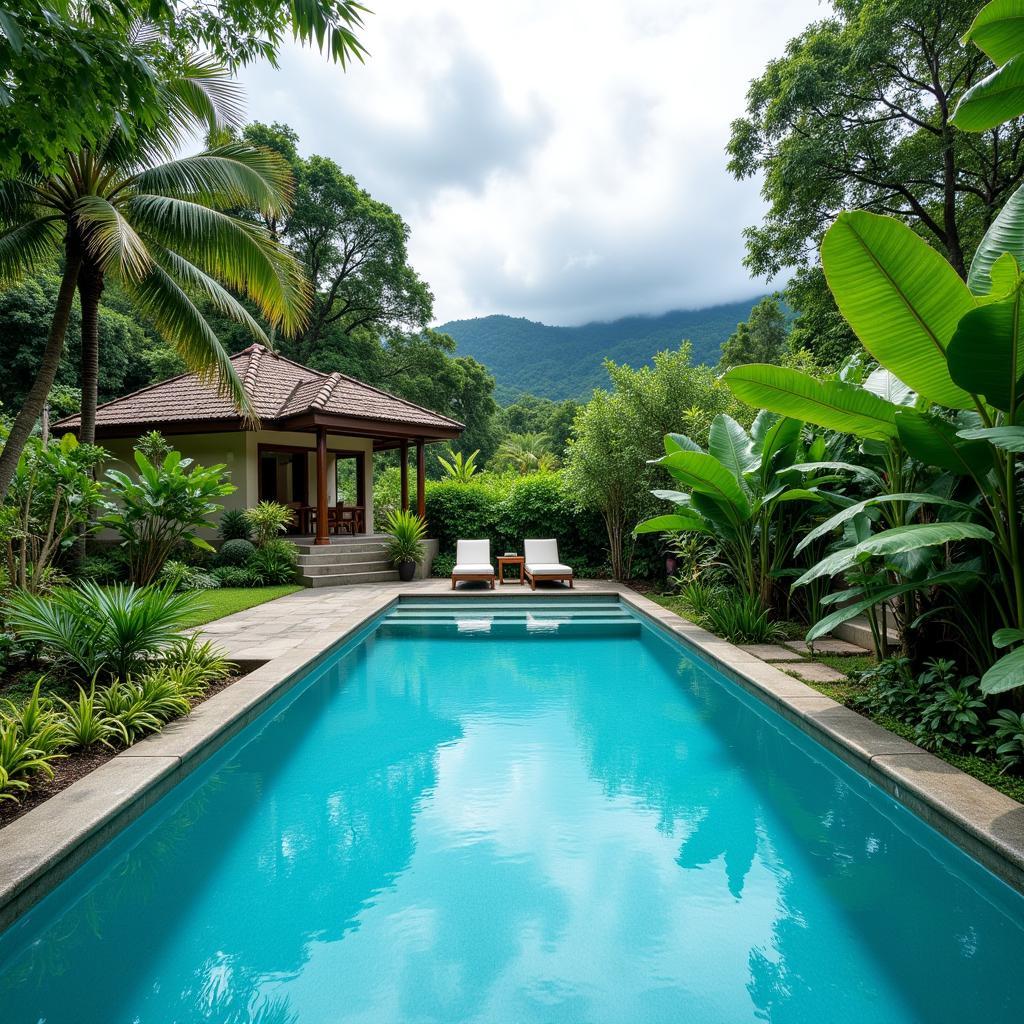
x=504, y=560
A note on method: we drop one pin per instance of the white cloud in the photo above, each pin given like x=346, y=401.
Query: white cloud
x=560, y=160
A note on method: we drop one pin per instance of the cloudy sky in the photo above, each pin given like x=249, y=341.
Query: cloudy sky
x=556, y=159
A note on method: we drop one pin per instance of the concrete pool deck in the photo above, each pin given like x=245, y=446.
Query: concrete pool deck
x=284, y=639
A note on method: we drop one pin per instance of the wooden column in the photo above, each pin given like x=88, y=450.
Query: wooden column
x=421, y=479
x=322, y=535
x=404, y=450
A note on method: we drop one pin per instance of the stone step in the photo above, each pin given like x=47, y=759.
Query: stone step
x=353, y=548
x=349, y=578
x=343, y=557
x=858, y=631
x=345, y=568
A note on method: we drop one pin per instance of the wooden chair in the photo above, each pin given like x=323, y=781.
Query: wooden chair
x=542, y=563
x=473, y=562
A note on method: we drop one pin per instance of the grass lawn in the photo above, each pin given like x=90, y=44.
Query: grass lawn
x=227, y=600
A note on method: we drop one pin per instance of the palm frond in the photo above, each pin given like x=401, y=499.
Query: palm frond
x=111, y=240
x=235, y=175
x=203, y=92
x=240, y=254
x=176, y=317
x=193, y=280
x=28, y=247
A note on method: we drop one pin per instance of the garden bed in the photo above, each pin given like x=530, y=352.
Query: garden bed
x=77, y=764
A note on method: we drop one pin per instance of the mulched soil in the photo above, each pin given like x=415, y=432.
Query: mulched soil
x=76, y=766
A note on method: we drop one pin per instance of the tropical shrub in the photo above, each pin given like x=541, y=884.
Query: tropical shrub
x=1007, y=739
x=179, y=576
x=35, y=720
x=52, y=500
x=443, y=566
x=235, y=552
x=956, y=346
x=951, y=717
x=739, y=492
x=273, y=563
x=267, y=520
x=741, y=618
x=161, y=508
x=123, y=702
x=102, y=568
x=85, y=724
x=234, y=525
x=201, y=658
x=234, y=576
x=19, y=761
x=89, y=630
x=458, y=468
x=406, y=532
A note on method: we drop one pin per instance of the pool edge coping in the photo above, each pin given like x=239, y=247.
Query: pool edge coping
x=47, y=844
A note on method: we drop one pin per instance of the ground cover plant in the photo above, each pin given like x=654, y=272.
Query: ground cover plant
x=111, y=665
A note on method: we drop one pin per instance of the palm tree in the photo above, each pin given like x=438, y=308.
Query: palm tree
x=526, y=453
x=164, y=229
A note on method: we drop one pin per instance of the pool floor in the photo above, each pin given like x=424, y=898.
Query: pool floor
x=490, y=825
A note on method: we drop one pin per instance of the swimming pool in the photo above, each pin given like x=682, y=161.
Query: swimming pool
x=520, y=811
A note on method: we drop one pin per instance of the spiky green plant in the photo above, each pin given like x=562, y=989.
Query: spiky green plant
x=405, y=537
x=89, y=629
x=459, y=468
x=84, y=723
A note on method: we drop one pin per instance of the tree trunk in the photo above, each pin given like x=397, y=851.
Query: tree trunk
x=36, y=398
x=90, y=288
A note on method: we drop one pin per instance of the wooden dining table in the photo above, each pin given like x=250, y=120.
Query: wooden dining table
x=336, y=523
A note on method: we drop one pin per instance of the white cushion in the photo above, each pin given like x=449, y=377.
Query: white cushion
x=548, y=569
x=471, y=569
x=540, y=552
x=472, y=552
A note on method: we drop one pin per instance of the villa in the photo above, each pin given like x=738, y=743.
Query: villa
x=311, y=424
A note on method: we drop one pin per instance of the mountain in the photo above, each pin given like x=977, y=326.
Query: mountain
x=566, y=362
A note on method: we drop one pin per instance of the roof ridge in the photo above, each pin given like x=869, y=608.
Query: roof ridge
x=255, y=357
x=323, y=395
x=398, y=398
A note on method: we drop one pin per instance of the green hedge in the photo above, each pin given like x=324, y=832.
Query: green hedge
x=506, y=510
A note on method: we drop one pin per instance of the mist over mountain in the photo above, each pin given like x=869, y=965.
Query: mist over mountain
x=567, y=362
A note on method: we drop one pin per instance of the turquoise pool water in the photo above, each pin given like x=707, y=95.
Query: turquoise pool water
x=513, y=814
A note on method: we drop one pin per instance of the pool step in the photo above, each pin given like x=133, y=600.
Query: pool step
x=469, y=626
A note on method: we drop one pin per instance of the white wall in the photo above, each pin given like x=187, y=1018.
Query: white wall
x=238, y=451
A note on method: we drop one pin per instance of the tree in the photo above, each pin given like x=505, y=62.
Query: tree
x=856, y=114
x=161, y=230
x=25, y=312
x=529, y=414
x=525, y=453
x=354, y=249
x=618, y=432
x=68, y=70
x=761, y=339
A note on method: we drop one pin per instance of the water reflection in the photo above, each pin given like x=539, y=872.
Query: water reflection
x=520, y=830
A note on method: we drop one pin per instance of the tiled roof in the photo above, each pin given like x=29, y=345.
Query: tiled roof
x=278, y=388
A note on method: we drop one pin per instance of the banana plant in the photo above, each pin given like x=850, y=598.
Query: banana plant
x=736, y=492
x=959, y=346
x=1000, y=96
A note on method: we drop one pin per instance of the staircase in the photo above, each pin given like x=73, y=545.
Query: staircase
x=345, y=561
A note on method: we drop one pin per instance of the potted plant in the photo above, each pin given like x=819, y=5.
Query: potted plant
x=405, y=545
